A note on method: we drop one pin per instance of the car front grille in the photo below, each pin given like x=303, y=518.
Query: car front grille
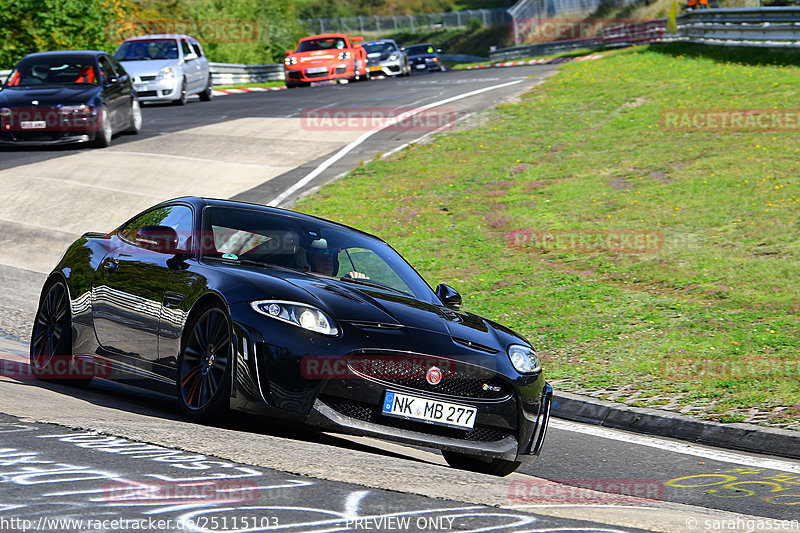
x=147, y=78
x=316, y=74
x=458, y=379
x=147, y=93
x=369, y=413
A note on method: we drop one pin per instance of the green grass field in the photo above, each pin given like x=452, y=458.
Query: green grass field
x=706, y=320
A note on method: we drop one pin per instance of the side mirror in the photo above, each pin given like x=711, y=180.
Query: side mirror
x=449, y=296
x=289, y=52
x=110, y=80
x=402, y=48
x=438, y=50
x=161, y=239
x=190, y=57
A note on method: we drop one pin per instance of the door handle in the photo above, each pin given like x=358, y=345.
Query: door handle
x=173, y=299
x=112, y=266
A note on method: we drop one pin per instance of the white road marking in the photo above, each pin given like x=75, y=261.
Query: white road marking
x=347, y=149
x=173, y=156
x=353, y=502
x=696, y=450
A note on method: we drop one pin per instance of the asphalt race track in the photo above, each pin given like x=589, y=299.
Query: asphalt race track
x=109, y=453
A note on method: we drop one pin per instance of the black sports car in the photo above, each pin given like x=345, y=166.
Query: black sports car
x=233, y=305
x=424, y=57
x=67, y=97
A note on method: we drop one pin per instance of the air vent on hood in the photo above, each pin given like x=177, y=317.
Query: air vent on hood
x=383, y=326
x=339, y=292
x=475, y=345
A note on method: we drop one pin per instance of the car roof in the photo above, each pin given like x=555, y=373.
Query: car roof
x=201, y=202
x=68, y=53
x=175, y=36
x=325, y=36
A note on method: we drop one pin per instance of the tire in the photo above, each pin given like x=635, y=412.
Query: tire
x=102, y=138
x=51, y=339
x=183, y=97
x=204, y=365
x=136, y=117
x=208, y=93
x=493, y=467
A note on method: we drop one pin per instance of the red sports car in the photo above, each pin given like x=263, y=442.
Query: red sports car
x=332, y=56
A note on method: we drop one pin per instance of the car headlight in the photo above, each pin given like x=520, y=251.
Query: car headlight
x=291, y=60
x=75, y=109
x=5, y=112
x=523, y=358
x=343, y=55
x=166, y=74
x=298, y=314
x=393, y=57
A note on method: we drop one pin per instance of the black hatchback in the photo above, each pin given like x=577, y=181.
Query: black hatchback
x=67, y=97
x=424, y=57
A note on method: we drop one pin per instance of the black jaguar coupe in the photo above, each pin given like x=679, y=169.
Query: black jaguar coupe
x=233, y=305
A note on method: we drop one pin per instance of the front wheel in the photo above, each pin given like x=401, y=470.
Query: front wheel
x=204, y=365
x=493, y=467
x=183, y=96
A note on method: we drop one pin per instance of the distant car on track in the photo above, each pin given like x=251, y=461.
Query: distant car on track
x=332, y=56
x=231, y=305
x=67, y=97
x=166, y=68
x=386, y=58
x=424, y=57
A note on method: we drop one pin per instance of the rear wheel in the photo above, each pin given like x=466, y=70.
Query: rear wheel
x=208, y=92
x=51, y=339
x=136, y=117
x=204, y=382
x=103, y=136
x=483, y=465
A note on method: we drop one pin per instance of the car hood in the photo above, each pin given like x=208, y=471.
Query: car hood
x=48, y=95
x=364, y=305
x=148, y=67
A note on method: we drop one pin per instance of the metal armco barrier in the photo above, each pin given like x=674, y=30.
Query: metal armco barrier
x=769, y=27
x=231, y=74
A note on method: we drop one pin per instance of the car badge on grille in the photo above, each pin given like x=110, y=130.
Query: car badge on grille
x=434, y=375
x=494, y=388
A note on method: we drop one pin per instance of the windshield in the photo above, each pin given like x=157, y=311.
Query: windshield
x=145, y=50
x=331, y=43
x=380, y=48
x=53, y=70
x=314, y=247
x=420, y=49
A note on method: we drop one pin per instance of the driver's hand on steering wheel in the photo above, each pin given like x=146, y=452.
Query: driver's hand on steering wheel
x=356, y=275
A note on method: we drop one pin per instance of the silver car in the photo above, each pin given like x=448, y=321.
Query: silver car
x=386, y=58
x=166, y=68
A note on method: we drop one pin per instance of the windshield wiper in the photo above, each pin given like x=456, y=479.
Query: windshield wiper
x=251, y=262
x=375, y=284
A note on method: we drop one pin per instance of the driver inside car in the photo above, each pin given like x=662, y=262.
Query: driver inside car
x=325, y=261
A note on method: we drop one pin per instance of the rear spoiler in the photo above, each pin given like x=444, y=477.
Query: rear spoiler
x=357, y=38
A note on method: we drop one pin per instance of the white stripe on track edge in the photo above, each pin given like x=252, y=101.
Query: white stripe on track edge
x=347, y=149
x=685, y=448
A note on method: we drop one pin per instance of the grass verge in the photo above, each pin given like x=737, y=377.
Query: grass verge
x=707, y=321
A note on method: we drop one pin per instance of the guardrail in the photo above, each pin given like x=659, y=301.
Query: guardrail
x=232, y=74
x=769, y=27
x=411, y=23
x=228, y=73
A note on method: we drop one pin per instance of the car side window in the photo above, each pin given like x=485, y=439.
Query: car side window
x=186, y=48
x=178, y=217
x=198, y=49
x=106, y=69
x=119, y=69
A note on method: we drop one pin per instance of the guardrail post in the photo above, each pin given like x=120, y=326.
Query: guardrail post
x=321, y=26
x=361, y=23
x=377, y=23
x=458, y=19
x=411, y=19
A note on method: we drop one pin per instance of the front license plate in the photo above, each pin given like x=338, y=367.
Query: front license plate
x=33, y=125
x=316, y=70
x=375, y=68
x=420, y=66
x=416, y=408
x=140, y=87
